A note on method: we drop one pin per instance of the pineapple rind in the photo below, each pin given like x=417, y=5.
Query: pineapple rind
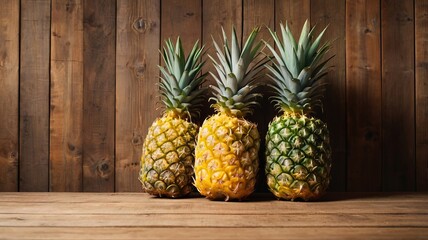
x=298, y=157
x=226, y=157
x=167, y=159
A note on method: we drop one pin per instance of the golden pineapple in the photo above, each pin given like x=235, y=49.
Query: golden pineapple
x=298, y=154
x=226, y=154
x=168, y=150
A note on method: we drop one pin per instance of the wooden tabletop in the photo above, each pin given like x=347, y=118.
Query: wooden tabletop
x=138, y=215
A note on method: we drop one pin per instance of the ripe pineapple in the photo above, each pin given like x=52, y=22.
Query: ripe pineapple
x=298, y=154
x=226, y=154
x=167, y=159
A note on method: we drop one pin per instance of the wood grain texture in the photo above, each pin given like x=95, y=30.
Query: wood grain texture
x=9, y=95
x=137, y=57
x=333, y=16
x=294, y=13
x=421, y=67
x=214, y=220
x=99, y=95
x=218, y=14
x=260, y=14
x=342, y=215
x=398, y=86
x=181, y=18
x=34, y=95
x=212, y=233
x=363, y=95
x=66, y=102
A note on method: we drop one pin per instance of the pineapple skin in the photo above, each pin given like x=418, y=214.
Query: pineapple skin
x=298, y=157
x=226, y=158
x=167, y=159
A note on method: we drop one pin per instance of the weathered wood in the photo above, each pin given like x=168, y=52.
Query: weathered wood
x=260, y=14
x=181, y=18
x=333, y=16
x=218, y=14
x=66, y=115
x=212, y=233
x=363, y=95
x=137, y=57
x=294, y=13
x=125, y=215
x=398, y=91
x=34, y=96
x=99, y=95
x=202, y=206
x=214, y=220
x=9, y=95
x=71, y=197
x=421, y=67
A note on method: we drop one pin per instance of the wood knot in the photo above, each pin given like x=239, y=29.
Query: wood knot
x=137, y=139
x=13, y=157
x=70, y=5
x=189, y=14
x=140, y=25
x=104, y=167
x=139, y=70
x=370, y=135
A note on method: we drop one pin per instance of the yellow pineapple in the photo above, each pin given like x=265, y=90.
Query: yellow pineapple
x=167, y=159
x=226, y=155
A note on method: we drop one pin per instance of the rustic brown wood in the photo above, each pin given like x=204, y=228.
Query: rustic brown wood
x=255, y=206
x=398, y=91
x=407, y=198
x=260, y=14
x=294, y=13
x=214, y=220
x=9, y=89
x=34, y=96
x=333, y=16
x=137, y=57
x=119, y=215
x=64, y=147
x=212, y=233
x=181, y=18
x=66, y=115
x=363, y=95
x=421, y=67
x=99, y=95
x=218, y=14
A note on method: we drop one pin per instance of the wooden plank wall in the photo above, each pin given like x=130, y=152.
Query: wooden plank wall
x=78, y=86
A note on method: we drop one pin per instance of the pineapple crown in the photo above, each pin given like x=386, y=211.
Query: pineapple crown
x=181, y=79
x=296, y=70
x=236, y=74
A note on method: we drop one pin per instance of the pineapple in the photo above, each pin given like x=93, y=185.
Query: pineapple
x=167, y=159
x=298, y=154
x=226, y=154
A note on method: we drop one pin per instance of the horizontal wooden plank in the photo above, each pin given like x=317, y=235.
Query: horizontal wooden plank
x=142, y=198
x=210, y=233
x=214, y=220
x=206, y=207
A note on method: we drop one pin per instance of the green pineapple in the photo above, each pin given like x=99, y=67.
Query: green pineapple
x=298, y=153
x=168, y=150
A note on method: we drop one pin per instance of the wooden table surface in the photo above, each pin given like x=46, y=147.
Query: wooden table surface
x=138, y=215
